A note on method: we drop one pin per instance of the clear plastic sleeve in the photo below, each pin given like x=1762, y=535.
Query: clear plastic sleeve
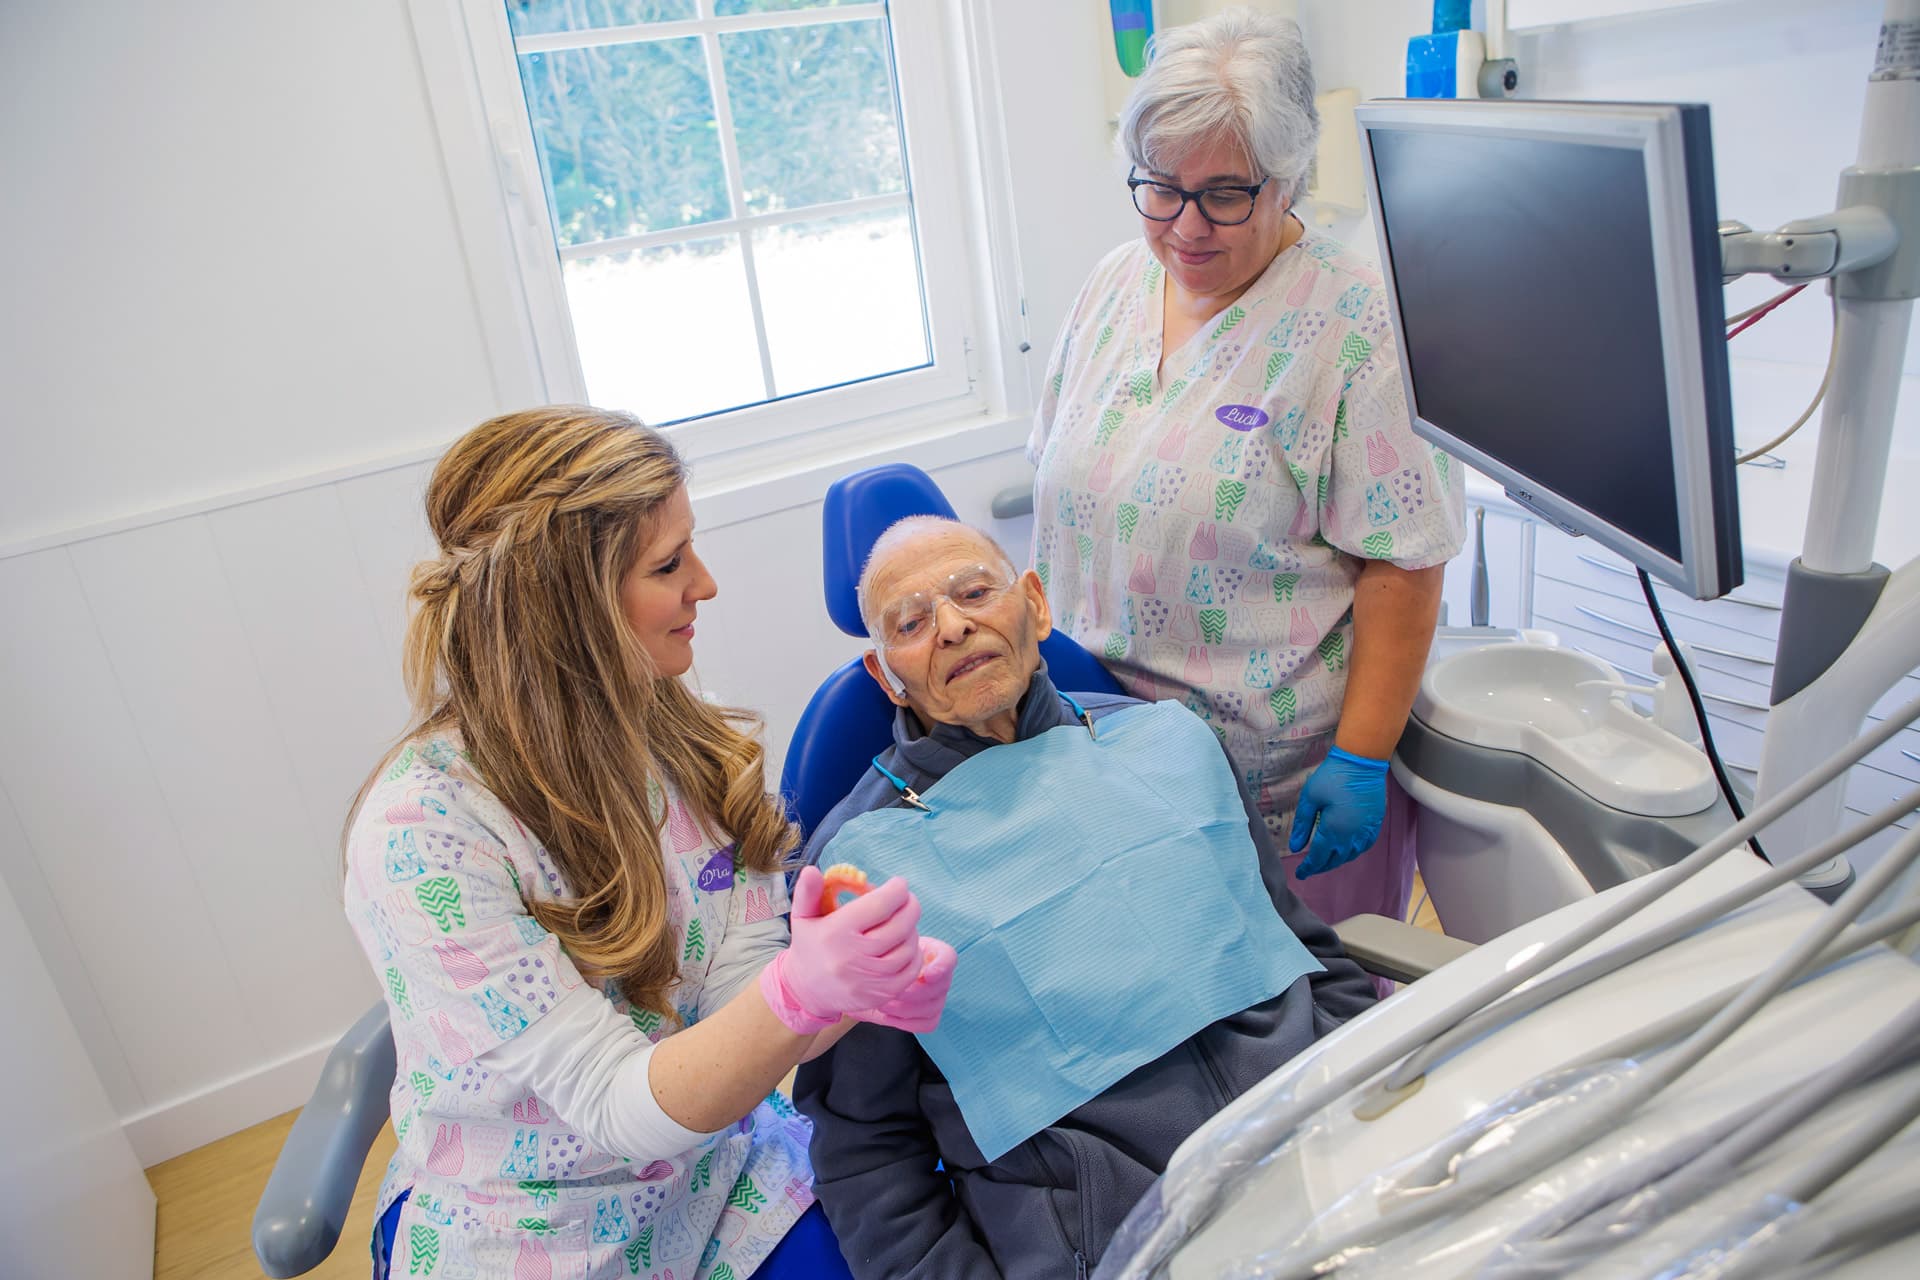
x=1525, y=1128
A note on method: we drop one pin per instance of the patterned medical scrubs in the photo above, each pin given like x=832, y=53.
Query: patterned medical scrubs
x=439, y=875
x=1200, y=522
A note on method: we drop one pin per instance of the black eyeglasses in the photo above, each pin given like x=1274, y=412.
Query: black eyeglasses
x=1222, y=206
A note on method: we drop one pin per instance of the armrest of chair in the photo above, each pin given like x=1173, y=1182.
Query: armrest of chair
x=1395, y=950
x=304, y=1207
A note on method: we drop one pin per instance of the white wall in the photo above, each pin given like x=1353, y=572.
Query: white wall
x=229, y=254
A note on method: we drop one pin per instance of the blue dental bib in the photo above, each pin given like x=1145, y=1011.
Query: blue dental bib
x=1105, y=899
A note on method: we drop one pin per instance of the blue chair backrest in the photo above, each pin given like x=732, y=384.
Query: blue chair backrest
x=849, y=720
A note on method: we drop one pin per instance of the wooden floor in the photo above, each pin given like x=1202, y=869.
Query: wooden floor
x=207, y=1198
x=1422, y=908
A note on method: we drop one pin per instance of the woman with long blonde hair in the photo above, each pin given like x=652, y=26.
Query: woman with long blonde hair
x=569, y=880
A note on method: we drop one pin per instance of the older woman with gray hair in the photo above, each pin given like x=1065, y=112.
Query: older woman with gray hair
x=1231, y=507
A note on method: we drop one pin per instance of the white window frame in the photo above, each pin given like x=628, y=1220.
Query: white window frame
x=957, y=176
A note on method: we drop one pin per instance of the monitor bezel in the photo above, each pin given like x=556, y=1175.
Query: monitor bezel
x=1675, y=149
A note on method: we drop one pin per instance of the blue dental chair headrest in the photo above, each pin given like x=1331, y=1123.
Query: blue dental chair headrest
x=849, y=720
x=857, y=510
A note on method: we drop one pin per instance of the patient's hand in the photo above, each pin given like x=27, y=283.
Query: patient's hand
x=918, y=1008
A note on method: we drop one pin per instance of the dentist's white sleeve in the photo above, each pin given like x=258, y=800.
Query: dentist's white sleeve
x=590, y=1064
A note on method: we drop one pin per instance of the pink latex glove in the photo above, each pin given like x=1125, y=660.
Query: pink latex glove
x=917, y=1009
x=858, y=957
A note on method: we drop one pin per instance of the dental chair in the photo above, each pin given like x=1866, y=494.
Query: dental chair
x=845, y=724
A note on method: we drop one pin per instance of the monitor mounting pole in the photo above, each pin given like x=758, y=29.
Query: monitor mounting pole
x=1850, y=629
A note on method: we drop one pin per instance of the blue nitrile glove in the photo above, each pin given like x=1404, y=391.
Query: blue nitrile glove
x=1342, y=807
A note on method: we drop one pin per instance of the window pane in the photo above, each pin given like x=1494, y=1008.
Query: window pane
x=841, y=298
x=813, y=113
x=666, y=333
x=727, y=8
x=626, y=137
x=537, y=17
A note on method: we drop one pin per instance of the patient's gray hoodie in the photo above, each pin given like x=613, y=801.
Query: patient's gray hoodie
x=904, y=1185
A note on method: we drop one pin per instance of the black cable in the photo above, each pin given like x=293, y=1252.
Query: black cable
x=1699, y=708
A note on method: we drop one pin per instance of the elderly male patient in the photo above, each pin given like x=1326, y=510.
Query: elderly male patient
x=1130, y=957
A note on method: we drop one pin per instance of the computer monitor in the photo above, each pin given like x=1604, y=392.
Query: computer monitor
x=1554, y=273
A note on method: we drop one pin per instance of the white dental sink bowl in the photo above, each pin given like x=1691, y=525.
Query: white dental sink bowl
x=1565, y=710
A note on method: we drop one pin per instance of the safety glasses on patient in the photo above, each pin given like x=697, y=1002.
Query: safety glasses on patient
x=911, y=620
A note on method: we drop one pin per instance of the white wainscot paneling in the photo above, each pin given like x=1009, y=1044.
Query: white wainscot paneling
x=229, y=768
x=83, y=784
x=386, y=519
x=330, y=675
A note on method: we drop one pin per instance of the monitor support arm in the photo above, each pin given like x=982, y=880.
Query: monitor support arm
x=1832, y=244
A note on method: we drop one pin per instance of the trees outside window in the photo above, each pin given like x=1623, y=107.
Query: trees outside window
x=737, y=208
